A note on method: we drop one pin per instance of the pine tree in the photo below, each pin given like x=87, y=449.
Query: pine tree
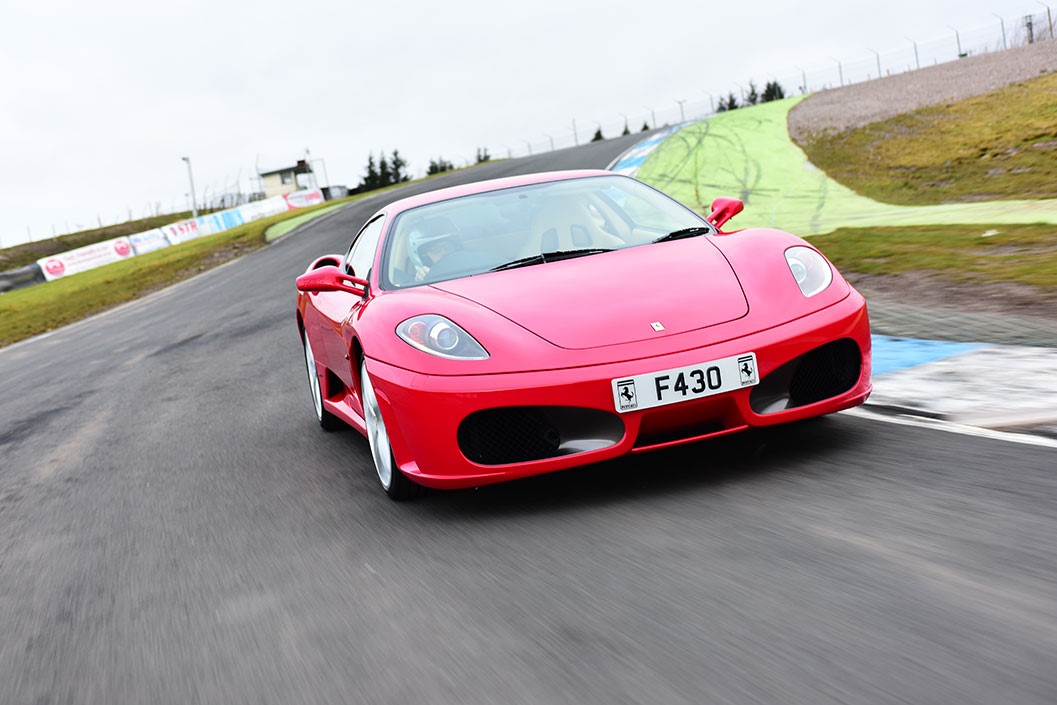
x=728, y=103
x=370, y=179
x=772, y=91
x=385, y=177
x=753, y=98
x=598, y=135
x=626, y=130
x=397, y=168
x=483, y=155
x=439, y=166
x=645, y=127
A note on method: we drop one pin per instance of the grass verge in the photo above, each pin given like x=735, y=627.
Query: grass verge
x=1002, y=145
x=1021, y=254
x=38, y=309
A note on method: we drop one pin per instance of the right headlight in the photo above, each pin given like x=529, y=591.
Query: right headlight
x=438, y=336
x=810, y=270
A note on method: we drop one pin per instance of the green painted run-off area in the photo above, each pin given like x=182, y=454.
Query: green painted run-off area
x=748, y=154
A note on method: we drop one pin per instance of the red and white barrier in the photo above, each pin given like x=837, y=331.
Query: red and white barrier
x=183, y=231
x=84, y=258
x=301, y=199
x=149, y=241
x=101, y=253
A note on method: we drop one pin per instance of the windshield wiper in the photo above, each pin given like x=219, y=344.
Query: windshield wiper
x=544, y=257
x=685, y=232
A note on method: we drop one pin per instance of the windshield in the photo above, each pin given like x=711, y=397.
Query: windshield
x=521, y=226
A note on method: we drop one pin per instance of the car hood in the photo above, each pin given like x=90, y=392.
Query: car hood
x=612, y=298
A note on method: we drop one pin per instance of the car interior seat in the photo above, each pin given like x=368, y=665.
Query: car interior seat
x=568, y=224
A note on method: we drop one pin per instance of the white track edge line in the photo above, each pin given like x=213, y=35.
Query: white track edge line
x=950, y=427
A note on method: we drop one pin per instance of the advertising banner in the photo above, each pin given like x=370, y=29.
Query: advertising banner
x=85, y=258
x=300, y=199
x=262, y=209
x=220, y=221
x=183, y=231
x=110, y=251
x=149, y=241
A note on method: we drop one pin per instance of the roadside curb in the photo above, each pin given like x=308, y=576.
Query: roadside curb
x=304, y=220
x=997, y=387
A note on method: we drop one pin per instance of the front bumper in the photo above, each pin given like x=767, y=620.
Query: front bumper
x=423, y=413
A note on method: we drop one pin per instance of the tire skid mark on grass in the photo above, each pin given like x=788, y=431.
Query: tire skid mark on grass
x=749, y=152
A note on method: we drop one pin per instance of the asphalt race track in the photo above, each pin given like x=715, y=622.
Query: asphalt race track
x=175, y=528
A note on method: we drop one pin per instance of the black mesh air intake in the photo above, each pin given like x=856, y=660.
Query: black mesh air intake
x=509, y=435
x=825, y=372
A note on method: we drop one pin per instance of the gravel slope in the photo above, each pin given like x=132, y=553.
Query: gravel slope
x=863, y=103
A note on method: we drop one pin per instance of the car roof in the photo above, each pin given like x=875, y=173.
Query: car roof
x=476, y=187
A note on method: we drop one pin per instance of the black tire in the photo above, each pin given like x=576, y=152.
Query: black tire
x=327, y=420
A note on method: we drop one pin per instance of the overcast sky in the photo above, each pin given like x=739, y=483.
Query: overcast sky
x=101, y=99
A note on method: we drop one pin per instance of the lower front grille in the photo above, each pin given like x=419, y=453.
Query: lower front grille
x=825, y=372
x=822, y=373
x=512, y=435
x=520, y=434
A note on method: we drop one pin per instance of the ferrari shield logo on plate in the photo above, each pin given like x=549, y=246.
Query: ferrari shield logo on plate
x=747, y=369
x=685, y=383
x=626, y=399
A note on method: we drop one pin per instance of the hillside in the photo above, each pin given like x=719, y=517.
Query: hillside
x=979, y=129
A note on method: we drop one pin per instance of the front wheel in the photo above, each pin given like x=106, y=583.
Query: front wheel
x=394, y=482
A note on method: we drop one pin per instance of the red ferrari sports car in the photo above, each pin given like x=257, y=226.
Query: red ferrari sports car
x=514, y=327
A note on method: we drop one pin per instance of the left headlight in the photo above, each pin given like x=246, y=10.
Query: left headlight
x=810, y=269
x=438, y=336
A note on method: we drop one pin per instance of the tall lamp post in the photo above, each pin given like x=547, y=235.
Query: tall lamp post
x=840, y=71
x=878, y=62
x=711, y=100
x=191, y=178
x=1002, y=22
x=917, y=61
x=958, y=39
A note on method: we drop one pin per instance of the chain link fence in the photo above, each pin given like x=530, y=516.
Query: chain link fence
x=909, y=54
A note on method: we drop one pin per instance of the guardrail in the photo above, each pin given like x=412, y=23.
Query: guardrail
x=22, y=277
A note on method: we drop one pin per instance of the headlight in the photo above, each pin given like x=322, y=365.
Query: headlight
x=438, y=336
x=810, y=269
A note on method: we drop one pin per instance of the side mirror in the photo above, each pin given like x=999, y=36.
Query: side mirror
x=723, y=209
x=332, y=260
x=331, y=278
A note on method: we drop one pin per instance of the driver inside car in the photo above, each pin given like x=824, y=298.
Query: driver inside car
x=427, y=250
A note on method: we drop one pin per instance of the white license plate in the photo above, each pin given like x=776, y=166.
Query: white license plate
x=685, y=383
